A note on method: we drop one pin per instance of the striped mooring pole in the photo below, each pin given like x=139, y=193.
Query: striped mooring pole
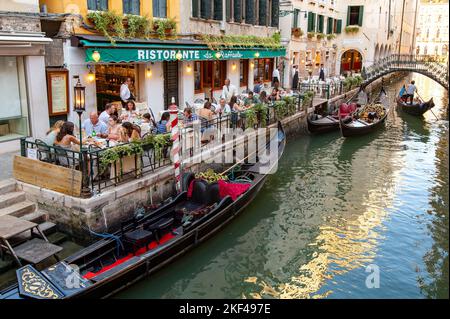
x=173, y=110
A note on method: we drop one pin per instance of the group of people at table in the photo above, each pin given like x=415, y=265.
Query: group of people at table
x=130, y=125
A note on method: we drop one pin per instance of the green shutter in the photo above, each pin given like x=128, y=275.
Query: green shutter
x=275, y=13
x=320, y=23
x=237, y=11
x=330, y=25
x=195, y=12
x=314, y=22
x=250, y=11
x=310, y=23
x=262, y=12
x=349, y=8
x=218, y=10
x=339, y=26
x=296, y=14
x=360, y=16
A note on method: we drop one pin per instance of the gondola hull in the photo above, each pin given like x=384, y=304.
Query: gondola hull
x=348, y=131
x=146, y=264
x=416, y=109
x=323, y=125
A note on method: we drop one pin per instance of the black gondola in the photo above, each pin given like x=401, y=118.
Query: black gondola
x=153, y=241
x=355, y=126
x=416, y=109
x=322, y=124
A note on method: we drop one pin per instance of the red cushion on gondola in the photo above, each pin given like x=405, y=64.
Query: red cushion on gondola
x=352, y=107
x=234, y=190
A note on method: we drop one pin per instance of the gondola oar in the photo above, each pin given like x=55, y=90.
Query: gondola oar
x=430, y=109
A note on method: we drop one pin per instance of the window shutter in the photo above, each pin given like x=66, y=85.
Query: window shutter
x=205, y=9
x=237, y=11
x=330, y=25
x=348, y=14
x=339, y=26
x=310, y=22
x=250, y=11
x=195, y=12
x=275, y=13
x=262, y=12
x=218, y=10
x=320, y=23
x=228, y=10
x=360, y=16
x=296, y=13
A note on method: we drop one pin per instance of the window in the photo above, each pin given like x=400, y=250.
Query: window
x=320, y=23
x=98, y=5
x=263, y=69
x=330, y=25
x=275, y=13
x=132, y=7
x=262, y=19
x=338, y=26
x=160, y=8
x=208, y=9
x=355, y=15
x=209, y=75
x=311, y=22
x=243, y=75
x=198, y=85
x=296, y=16
x=14, y=117
x=250, y=16
x=237, y=10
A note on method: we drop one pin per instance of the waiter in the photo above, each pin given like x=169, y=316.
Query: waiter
x=125, y=93
x=275, y=76
x=322, y=73
x=295, y=77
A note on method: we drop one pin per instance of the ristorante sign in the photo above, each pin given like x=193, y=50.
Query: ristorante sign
x=154, y=55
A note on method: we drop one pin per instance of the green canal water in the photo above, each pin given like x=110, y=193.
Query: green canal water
x=335, y=207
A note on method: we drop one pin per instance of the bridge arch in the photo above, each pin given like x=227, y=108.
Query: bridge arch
x=429, y=66
x=351, y=61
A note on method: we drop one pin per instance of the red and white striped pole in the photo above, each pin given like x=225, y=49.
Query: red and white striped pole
x=173, y=110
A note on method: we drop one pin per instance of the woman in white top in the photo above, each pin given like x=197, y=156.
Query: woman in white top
x=130, y=113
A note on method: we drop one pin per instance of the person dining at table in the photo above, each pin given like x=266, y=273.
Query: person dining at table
x=223, y=107
x=206, y=112
x=146, y=124
x=129, y=132
x=275, y=96
x=94, y=127
x=50, y=136
x=263, y=97
x=163, y=126
x=130, y=112
x=65, y=137
x=189, y=116
x=104, y=116
x=113, y=128
x=234, y=105
x=250, y=99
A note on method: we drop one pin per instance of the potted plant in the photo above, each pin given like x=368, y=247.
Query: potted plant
x=311, y=35
x=351, y=29
x=297, y=32
x=331, y=36
x=137, y=26
x=107, y=22
x=164, y=27
x=320, y=36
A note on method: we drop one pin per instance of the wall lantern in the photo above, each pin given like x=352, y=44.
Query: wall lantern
x=91, y=76
x=234, y=66
x=96, y=56
x=148, y=73
x=179, y=55
x=252, y=65
x=188, y=68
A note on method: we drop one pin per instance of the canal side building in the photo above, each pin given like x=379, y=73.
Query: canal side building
x=22, y=73
x=186, y=65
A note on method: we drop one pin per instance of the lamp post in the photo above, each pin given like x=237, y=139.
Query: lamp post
x=79, y=107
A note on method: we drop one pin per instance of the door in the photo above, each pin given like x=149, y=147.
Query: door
x=170, y=83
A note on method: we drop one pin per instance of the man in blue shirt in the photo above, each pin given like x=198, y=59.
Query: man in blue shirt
x=93, y=124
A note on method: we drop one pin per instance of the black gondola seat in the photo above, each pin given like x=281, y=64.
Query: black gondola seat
x=161, y=227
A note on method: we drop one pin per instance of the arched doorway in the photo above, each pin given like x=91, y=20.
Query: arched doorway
x=351, y=62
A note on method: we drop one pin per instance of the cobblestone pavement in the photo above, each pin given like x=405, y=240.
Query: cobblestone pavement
x=6, y=165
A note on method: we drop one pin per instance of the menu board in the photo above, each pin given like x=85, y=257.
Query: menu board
x=58, y=92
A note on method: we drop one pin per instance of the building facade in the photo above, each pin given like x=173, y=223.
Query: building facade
x=345, y=36
x=22, y=73
x=186, y=66
x=432, y=28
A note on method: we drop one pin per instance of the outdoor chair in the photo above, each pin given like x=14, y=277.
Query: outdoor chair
x=44, y=151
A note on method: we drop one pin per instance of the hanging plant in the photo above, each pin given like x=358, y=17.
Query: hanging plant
x=113, y=154
x=109, y=23
x=219, y=42
x=164, y=27
x=138, y=26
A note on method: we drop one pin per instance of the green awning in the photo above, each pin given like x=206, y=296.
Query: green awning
x=155, y=52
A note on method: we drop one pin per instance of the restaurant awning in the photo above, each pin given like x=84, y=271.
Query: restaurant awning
x=156, y=50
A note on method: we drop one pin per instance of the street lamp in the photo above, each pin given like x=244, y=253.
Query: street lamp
x=79, y=106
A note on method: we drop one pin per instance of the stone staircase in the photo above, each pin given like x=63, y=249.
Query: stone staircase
x=14, y=203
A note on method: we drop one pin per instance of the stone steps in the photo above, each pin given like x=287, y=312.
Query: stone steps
x=37, y=217
x=11, y=198
x=19, y=209
x=7, y=186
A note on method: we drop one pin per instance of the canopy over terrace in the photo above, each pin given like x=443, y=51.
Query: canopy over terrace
x=138, y=50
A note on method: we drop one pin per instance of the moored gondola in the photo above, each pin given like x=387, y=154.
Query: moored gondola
x=146, y=244
x=361, y=123
x=322, y=124
x=416, y=108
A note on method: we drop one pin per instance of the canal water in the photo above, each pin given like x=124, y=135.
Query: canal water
x=365, y=217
